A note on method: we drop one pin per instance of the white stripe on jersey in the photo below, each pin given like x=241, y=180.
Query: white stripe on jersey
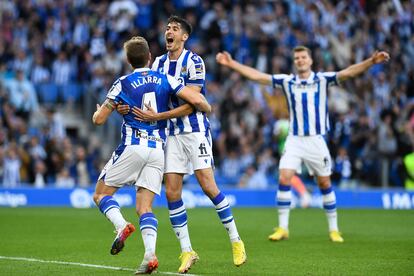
x=128, y=135
x=192, y=74
x=307, y=101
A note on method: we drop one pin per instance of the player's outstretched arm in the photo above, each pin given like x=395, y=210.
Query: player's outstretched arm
x=149, y=115
x=103, y=111
x=359, y=68
x=196, y=99
x=225, y=59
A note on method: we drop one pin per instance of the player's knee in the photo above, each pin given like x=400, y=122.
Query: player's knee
x=172, y=194
x=96, y=198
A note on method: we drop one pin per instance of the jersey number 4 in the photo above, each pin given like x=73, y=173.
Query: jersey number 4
x=150, y=100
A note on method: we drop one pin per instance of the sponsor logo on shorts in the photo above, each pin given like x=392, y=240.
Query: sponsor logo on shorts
x=203, y=150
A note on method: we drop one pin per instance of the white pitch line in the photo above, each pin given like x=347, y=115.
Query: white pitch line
x=84, y=265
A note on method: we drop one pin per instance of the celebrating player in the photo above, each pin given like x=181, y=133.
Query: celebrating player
x=306, y=95
x=139, y=159
x=189, y=146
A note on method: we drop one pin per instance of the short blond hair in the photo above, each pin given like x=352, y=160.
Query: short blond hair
x=137, y=51
x=302, y=48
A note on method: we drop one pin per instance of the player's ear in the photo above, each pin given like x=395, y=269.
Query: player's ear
x=185, y=36
x=149, y=59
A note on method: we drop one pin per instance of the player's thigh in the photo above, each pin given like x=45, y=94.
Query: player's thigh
x=318, y=159
x=124, y=166
x=176, y=160
x=151, y=174
x=292, y=155
x=198, y=147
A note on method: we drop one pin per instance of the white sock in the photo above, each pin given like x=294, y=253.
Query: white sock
x=226, y=216
x=284, y=218
x=329, y=204
x=149, y=237
x=178, y=219
x=115, y=216
x=284, y=198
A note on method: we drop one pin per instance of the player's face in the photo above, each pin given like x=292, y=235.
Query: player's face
x=303, y=61
x=175, y=37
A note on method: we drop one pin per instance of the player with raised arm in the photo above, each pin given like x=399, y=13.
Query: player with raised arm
x=139, y=159
x=306, y=94
x=189, y=146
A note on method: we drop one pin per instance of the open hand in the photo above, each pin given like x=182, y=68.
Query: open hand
x=148, y=115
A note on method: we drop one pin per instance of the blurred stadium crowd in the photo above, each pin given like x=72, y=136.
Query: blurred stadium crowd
x=58, y=59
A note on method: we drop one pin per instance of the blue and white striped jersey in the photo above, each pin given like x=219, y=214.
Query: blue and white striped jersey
x=307, y=101
x=144, y=86
x=188, y=69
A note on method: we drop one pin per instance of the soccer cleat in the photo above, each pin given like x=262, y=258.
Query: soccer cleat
x=279, y=234
x=239, y=253
x=187, y=260
x=148, y=265
x=335, y=236
x=120, y=238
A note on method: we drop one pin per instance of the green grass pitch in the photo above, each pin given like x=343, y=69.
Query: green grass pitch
x=377, y=242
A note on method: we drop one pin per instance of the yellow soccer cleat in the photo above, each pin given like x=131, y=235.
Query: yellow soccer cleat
x=187, y=260
x=279, y=234
x=335, y=236
x=239, y=253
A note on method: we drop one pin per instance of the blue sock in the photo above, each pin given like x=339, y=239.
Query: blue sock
x=107, y=203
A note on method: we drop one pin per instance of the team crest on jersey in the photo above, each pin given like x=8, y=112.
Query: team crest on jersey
x=184, y=70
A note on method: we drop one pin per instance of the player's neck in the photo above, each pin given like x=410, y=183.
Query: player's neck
x=304, y=75
x=174, y=55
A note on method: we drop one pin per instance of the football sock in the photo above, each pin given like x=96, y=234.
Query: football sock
x=284, y=197
x=148, y=225
x=110, y=208
x=329, y=204
x=224, y=212
x=178, y=218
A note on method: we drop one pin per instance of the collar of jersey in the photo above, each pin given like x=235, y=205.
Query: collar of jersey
x=175, y=60
x=308, y=80
x=139, y=70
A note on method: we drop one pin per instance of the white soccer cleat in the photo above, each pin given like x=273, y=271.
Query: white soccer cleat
x=149, y=264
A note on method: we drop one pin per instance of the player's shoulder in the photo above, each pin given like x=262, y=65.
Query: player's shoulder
x=193, y=57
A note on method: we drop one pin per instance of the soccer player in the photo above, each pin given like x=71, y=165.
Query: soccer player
x=139, y=159
x=306, y=94
x=189, y=144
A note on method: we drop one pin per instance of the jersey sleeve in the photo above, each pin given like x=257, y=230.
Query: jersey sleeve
x=115, y=92
x=175, y=85
x=331, y=78
x=196, y=71
x=277, y=80
x=154, y=66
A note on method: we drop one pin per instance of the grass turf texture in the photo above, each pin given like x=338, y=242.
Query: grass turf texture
x=377, y=242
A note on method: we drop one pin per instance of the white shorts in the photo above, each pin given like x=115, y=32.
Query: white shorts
x=188, y=152
x=311, y=150
x=135, y=165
